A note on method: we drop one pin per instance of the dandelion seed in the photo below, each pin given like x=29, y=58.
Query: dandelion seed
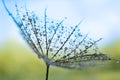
x=56, y=43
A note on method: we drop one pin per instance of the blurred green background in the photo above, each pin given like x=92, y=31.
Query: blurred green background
x=18, y=62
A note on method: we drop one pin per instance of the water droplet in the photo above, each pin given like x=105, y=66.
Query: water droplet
x=51, y=49
x=65, y=17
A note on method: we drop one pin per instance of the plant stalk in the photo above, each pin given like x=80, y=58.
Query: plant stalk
x=47, y=71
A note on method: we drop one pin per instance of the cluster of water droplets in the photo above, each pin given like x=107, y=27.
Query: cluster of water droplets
x=58, y=44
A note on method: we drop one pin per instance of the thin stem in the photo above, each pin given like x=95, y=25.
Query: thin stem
x=10, y=14
x=45, y=25
x=47, y=71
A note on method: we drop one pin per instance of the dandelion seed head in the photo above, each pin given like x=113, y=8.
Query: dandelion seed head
x=58, y=44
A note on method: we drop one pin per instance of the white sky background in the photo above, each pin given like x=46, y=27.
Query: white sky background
x=102, y=17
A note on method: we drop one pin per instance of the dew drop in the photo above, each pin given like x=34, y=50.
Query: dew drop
x=51, y=49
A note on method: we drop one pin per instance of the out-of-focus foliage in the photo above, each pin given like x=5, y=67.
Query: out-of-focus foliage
x=17, y=62
x=113, y=48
